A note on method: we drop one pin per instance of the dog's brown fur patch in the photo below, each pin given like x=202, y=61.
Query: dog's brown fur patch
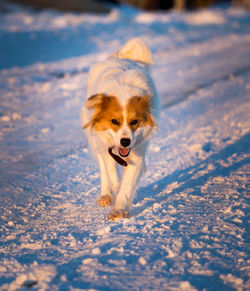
x=106, y=109
x=138, y=108
x=105, y=200
x=108, y=113
x=118, y=214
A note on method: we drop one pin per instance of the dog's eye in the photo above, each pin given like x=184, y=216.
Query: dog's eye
x=114, y=121
x=134, y=122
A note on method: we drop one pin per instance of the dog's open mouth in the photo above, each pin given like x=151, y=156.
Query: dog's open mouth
x=124, y=152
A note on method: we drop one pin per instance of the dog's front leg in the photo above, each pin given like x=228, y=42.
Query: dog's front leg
x=106, y=197
x=111, y=168
x=127, y=189
x=109, y=180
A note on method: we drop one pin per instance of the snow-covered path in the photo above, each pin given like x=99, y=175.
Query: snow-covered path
x=189, y=228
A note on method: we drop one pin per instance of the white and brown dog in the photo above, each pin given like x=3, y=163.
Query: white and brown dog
x=118, y=117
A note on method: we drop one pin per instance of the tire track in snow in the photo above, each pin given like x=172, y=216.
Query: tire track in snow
x=183, y=72
x=185, y=95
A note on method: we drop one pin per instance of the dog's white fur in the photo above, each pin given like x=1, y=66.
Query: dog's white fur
x=123, y=75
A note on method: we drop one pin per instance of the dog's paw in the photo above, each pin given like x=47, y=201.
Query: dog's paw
x=105, y=200
x=117, y=214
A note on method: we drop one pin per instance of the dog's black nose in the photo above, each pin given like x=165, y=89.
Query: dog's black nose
x=125, y=142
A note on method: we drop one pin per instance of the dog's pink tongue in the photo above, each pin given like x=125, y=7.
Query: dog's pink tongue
x=124, y=151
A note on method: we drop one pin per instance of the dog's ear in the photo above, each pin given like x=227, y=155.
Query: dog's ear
x=146, y=105
x=144, y=101
x=88, y=124
x=95, y=100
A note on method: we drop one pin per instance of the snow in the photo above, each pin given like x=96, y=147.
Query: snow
x=189, y=222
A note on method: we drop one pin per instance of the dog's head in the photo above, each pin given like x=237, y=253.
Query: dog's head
x=121, y=125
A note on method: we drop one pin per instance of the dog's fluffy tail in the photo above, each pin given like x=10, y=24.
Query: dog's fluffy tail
x=136, y=50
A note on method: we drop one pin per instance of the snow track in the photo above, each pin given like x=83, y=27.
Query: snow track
x=189, y=228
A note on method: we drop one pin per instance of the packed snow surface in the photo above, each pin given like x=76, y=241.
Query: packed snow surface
x=189, y=227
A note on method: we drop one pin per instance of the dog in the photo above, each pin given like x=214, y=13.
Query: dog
x=119, y=116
